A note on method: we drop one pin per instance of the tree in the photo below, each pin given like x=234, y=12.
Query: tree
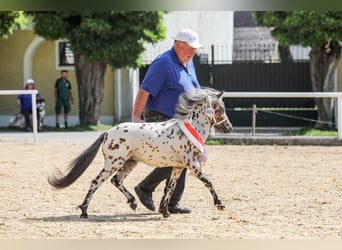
x=320, y=30
x=99, y=39
x=10, y=20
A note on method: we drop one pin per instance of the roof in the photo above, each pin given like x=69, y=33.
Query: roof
x=251, y=42
x=243, y=19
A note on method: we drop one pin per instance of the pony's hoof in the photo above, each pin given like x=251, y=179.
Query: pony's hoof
x=84, y=216
x=164, y=212
x=133, y=205
x=166, y=215
x=220, y=207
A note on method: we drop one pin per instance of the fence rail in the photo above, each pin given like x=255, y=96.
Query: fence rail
x=34, y=106
x=224, y=53
x=337, y=95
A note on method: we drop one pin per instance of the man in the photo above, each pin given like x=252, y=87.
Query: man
x=168, y=76
x=63, y=96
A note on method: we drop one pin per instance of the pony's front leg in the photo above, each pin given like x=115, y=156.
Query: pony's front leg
x=198, y=173
x=164, y=204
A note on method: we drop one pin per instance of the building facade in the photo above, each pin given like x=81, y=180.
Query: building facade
x=25, y=55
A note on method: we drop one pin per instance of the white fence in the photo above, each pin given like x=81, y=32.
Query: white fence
x=337, y=95
x=34, y=107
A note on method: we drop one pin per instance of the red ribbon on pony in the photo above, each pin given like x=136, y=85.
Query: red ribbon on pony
x=194, y=137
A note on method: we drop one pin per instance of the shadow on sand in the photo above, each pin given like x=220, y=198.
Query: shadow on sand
x=142, y=217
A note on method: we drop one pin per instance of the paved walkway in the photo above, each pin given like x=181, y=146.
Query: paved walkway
x=240, y=136
x=88, y=136
x=274, y=136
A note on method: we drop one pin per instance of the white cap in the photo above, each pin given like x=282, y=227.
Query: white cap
x=29, y=81
x=189, y=36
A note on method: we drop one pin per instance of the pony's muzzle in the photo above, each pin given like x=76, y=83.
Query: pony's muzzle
x=225, y=127
x=228, y=128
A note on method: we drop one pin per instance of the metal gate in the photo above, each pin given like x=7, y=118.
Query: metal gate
x=261, y=77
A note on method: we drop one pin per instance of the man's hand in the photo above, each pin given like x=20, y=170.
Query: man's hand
x=137, y=119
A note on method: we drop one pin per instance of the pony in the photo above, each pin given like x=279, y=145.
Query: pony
x=177, y=142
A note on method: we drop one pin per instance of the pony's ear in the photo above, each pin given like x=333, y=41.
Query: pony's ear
x=219, y=95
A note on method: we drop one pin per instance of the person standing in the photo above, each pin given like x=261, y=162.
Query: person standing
x=168, y=76
x=63, y=97
x=24, y=101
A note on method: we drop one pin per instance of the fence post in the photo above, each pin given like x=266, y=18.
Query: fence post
x=254, y=111
x=33, y=93
x=339, y=117
x=34, y=117
x=212, y=55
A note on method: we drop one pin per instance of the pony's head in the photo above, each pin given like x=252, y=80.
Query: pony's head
x=204, y=103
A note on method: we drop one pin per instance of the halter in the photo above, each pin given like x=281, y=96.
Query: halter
x=211, y=114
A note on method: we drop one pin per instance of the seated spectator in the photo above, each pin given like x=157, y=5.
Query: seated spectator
x=24, y=101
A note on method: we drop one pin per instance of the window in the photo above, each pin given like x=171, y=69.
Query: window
x=64, y=55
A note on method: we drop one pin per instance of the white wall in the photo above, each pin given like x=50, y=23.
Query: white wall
x=212, y=27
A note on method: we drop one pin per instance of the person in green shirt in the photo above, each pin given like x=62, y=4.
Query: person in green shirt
x=63, y=97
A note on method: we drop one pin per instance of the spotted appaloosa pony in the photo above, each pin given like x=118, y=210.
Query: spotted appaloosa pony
x=171, y=143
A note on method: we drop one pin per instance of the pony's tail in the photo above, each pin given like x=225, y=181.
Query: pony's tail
x=77, y=166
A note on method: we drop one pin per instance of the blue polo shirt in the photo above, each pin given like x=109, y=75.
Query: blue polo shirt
x=165, y=79
x=26, y=102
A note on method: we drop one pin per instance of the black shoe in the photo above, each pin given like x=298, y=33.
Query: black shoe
x=145, y=198
x=179, y=210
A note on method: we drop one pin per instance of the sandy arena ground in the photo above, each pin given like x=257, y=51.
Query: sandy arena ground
x=270, y=192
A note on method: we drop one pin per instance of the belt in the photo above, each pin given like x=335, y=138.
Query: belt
x=154, y=116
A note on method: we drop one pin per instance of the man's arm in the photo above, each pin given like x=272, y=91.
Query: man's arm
x=17, y=103
x=56, y=95
x=139, y=105
x=71, y=97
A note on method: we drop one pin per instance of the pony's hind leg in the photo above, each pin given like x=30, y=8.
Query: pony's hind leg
x=94, y=185
x=120, y=176
x=198, y=173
